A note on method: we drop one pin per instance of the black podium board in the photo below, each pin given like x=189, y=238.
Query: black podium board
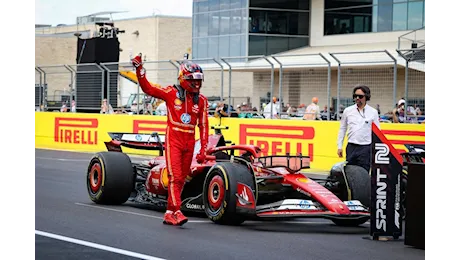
x=386, y=210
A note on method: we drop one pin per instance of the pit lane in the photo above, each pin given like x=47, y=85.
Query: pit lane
x=62, y=207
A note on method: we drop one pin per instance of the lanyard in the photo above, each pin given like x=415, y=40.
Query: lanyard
x=362, y=115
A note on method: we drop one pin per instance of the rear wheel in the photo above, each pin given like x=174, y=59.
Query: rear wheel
x=110, y=178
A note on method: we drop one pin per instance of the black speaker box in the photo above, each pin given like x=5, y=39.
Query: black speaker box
x=91, y=84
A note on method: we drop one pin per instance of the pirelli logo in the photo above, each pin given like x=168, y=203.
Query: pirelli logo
x=149, y=126
x=279, y=140
x=75, y=130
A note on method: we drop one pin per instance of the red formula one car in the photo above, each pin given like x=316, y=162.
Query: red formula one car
x=235, y=184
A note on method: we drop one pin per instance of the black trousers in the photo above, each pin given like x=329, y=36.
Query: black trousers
x=359, y=155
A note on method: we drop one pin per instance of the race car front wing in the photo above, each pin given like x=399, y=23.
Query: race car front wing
x=295, y=208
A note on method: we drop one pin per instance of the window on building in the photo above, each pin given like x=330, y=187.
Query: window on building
x=202, y=24
x=213, y=25
x=267, y=45
x=219, y=28
x=257, y=45
x=279, y=22
x=285, y=4
x=345, y=16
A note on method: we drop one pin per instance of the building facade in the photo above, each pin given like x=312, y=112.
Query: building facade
x=376, y=28
x=231, y=28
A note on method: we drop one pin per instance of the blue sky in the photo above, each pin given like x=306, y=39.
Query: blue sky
x=66, y=11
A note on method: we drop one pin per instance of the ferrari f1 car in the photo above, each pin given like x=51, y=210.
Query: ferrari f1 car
x=235, y=184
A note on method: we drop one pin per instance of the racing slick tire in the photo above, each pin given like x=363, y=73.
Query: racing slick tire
x=358, y=182
x=110, y=178
x=356, y=186
x=220, y=189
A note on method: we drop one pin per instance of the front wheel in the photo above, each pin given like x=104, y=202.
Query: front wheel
x=220, y=189
x=359, y=184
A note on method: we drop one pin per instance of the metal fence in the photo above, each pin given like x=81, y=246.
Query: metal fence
x=376, y=69
x=250, y=81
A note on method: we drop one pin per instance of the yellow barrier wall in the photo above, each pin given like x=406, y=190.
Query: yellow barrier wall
x=88, y=132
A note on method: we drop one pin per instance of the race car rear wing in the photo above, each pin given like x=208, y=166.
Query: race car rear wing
x=292, y=163
x=153, y=141
x=416, y=154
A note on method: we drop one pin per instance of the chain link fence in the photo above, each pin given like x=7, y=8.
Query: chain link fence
x=126, y=95
x=251, y=81
x=246, y=82
x=301, y=78
x=414, y=83
x=39, y=87
x=376, y=69
x=57, y=86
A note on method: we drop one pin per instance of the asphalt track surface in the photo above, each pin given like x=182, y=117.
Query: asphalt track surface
x=69, y=226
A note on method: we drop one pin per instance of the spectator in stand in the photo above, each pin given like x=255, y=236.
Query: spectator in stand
x=106, y=108
x=312, y=111
x=161, y=109
x=64, y=107
x=73, y=107
x=301, y=110
x=275, y=113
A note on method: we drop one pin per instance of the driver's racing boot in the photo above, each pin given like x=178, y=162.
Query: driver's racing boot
x=180, y=218
x=169, y=218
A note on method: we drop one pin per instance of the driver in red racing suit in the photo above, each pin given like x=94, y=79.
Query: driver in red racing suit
x=186, y=108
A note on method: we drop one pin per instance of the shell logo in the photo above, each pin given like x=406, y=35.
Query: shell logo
x=164, y=178
x=303, y=180
x=177, y=102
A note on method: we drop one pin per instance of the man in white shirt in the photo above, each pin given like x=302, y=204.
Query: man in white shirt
x=357, y=119
x=312, y=111
x=276, y=110
x=161, y=109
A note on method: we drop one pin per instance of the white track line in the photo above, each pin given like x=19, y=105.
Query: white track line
x=135, y=213
x=98, y=246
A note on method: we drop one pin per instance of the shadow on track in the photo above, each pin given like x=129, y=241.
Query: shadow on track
x=305, y=228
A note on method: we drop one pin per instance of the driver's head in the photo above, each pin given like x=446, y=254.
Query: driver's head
x=191, y=76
